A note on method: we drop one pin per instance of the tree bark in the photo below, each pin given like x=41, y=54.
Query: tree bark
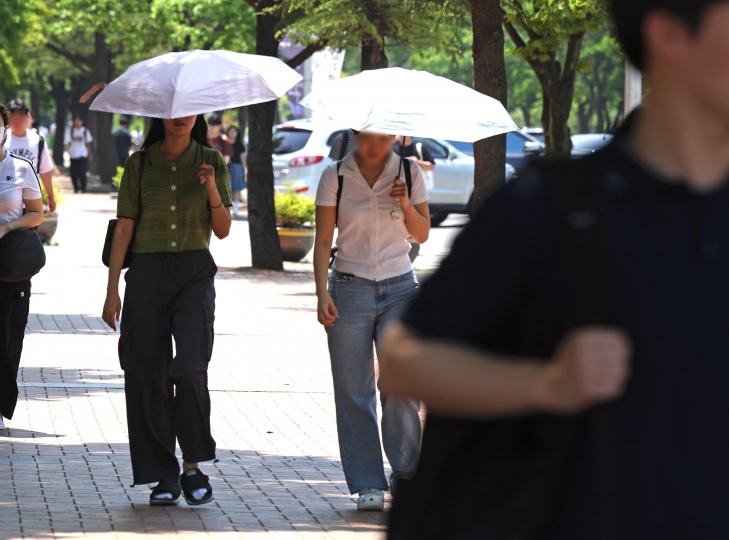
x=105, y=158
x=373, y=55
x=60, y=97
x=489, y=73
x=265, y=246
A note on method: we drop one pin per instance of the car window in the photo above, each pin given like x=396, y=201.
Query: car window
x=287, y=140
x=515, y=143
x=334, y=136
x=436, y=150
x=465, y=147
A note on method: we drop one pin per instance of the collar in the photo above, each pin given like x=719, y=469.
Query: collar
x=188, y=157
x=350, y=167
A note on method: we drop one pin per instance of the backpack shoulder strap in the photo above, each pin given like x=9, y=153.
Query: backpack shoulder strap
x=340, y=186
x=408, y=175
x=41, y=148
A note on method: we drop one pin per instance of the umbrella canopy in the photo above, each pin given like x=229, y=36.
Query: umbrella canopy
x=175, y=85
x=406, y=102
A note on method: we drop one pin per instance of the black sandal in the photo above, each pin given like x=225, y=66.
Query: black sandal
x=173, y=488
x=191, y=480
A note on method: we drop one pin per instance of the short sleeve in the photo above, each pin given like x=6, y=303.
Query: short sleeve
x=222, y=179
x=46, y=162
x=127, y=204
x=489, y=271
x=227, y=148
x=89, y=138
x=419, y=193
x=31, y=185
x=427, y=156
x=326, y=193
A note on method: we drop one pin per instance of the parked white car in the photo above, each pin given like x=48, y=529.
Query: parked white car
x=300, y=155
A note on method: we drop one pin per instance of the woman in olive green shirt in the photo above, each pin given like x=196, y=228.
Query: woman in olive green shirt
x=173, y=195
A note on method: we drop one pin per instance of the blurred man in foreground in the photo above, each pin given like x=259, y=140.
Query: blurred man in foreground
x=573, y=350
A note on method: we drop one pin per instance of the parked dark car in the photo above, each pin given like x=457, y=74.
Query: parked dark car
x=520, y=148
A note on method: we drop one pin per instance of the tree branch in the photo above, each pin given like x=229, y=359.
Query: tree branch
x=572, y=58
x=514, y=35
x=305, y=54
x=83, y=63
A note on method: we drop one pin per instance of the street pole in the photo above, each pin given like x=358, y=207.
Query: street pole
x=633, y=87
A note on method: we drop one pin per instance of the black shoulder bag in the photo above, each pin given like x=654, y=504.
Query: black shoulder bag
x=21, y=253
x=340, y=186
x=506, y=479
x=109, y=240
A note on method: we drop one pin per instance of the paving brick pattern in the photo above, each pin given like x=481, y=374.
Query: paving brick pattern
x=64, y=461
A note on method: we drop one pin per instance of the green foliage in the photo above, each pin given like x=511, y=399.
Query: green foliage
x=116, y=181
x=58, y=194
x=293, y=210
x=19, y=27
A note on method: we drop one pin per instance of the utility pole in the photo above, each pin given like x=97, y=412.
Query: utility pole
x=633, y=87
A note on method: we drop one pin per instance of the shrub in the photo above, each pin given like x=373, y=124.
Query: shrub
x=58, y=194
x=116, y=181
x=293, y=210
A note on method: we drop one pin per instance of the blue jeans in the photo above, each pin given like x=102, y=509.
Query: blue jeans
x=365, y=307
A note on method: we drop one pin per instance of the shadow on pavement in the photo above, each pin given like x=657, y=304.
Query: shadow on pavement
x=13, y=433
x=85, y=489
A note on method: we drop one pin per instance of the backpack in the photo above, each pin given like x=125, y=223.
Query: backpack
x=41, y=148
x=340, y=187
x=505, y=479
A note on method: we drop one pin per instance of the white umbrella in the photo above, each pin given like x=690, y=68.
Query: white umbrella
x=175, y=85
x=406, y=102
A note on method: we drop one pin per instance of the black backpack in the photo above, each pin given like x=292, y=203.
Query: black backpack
x=505, y=479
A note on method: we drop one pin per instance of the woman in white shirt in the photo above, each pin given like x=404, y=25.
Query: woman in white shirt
x=371, y=282
x=19, y=187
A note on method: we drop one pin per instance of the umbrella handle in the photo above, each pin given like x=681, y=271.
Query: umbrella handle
x=402, y=156
x=92, y=91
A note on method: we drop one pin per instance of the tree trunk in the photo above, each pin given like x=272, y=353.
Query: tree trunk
x=527, y=114
x=60, y=97
x=560, y=105
x=35, y=105
x=243, y=120
x=105, y=158
x=489, y=73
x=265, y=247
x=373, y=55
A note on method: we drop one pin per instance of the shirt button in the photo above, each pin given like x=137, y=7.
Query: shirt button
x=174, y=168
x=172, y=208
x=173, y=188
x=174, y=244
x=174, y=226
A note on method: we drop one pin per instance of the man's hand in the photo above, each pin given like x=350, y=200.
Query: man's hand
x=400, y=192
x=591, y=366
x=112, y=309
x=207, y=175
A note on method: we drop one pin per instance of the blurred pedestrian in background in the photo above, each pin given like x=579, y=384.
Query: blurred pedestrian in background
x=237, y=166
x=123, y=143
x=372, y=281
x=28, y=144
x=572, y=350
x=419, y=153
x=217, y=140
x=78, y=144
x=174, y=194
x=20, y=208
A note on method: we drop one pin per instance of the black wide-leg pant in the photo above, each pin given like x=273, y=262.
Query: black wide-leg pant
x=79, y=169
x=168, y=295
x=14, y=306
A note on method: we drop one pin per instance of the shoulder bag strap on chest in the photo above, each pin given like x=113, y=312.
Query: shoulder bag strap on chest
x=340, y=186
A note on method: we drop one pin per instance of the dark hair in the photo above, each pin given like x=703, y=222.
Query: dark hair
x=156, y=132
x=18, y=105
x=5, y=114
x=238, y=134
x=123, y=122
x=215, y=120
x=629, y=15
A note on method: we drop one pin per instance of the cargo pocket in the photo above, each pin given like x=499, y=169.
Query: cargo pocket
x=208, y=337
x=125, y=346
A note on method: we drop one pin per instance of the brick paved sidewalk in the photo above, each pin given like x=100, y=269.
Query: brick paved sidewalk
x=64, y=461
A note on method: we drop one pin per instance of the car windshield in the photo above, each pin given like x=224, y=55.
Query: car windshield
x=465, y=147
x=288, y=140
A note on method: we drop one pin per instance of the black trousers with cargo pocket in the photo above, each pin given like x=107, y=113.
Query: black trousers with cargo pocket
x=168, y=295
x=14, y=307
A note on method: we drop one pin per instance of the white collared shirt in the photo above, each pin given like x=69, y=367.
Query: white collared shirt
x=18, y=182
x=371, y=244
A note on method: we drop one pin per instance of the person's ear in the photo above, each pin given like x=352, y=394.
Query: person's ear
x=666, y=38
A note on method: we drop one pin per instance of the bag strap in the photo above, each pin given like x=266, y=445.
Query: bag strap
x=41, y=148
x=340, y=186
x=408, y=176
x=345, y=144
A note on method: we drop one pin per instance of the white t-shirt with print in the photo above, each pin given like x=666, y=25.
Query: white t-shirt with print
x=18, y=182
x=371, y=244
x=27, y=147
x=77, y=140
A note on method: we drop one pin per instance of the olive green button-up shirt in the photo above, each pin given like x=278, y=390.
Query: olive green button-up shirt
x=171, y=208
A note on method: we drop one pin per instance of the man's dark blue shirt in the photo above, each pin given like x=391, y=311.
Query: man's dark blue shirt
x=658, y=468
